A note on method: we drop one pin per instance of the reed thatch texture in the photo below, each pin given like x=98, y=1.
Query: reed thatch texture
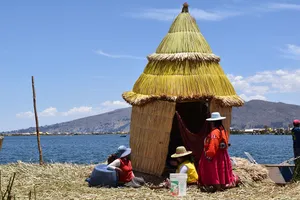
x=66, y=181
x=224, y=111
x=150, y=135
x=183, y=68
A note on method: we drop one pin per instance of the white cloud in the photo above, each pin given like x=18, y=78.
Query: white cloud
x=214, y=15
x=115, y=104
x=199, y=14
x=78, y=111
x=237, y=8
x=28, y=114
x=263, y=83
x=291, y=51
x=157, y=14
x=245, y=88
x=116, y=56
x=281, y=72
x=283, y=6
x=48, y=112
x=238, y=82
x=248, y=98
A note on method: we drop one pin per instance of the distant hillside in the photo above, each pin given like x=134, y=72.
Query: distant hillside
x=118, y=120
x=254, y=114
x=257, y=113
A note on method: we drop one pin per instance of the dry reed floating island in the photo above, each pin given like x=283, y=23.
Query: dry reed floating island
x=67, y=181
x=182, y=70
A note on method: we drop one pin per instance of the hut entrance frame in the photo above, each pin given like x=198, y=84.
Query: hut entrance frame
x=193, y=114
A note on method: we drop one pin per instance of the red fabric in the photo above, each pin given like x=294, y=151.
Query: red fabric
x=217, y=171
x=211, y=172
x=213, y=140
x=126, y=175
x=193, y=141
x=296, y=122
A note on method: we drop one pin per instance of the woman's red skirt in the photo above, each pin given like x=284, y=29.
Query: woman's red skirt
x=217, y=171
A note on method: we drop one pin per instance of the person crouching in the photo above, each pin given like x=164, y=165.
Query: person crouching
x=124, y=168
x=186, y=165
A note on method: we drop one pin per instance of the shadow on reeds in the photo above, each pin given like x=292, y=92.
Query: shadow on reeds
x=7, y=194
x=156, y=180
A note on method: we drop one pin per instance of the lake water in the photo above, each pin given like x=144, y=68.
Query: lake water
x=95, y=148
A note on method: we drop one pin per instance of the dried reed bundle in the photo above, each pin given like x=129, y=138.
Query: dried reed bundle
x=67, y=181
x=183, y=56
x=140, y=99
x=184, y=41
x=250, y=173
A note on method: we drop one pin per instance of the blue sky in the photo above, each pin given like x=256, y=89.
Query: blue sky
x=84, y=54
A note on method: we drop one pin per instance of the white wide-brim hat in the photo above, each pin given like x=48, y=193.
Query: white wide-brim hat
x=215, y=116
x=123, y=151
x=126, y=153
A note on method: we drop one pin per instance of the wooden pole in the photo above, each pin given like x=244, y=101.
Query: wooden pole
x=37, y=123
x=0, y=184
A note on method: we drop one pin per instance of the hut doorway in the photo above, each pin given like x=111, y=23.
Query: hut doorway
x=191, y=126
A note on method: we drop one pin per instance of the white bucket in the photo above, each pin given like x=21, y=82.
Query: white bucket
x=178, y=184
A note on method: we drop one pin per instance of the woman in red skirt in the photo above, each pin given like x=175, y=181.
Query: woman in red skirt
x=215, y=170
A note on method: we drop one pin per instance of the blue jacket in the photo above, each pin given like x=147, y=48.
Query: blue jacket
x=296, y=137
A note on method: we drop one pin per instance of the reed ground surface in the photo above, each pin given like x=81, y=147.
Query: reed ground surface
x=67, y=181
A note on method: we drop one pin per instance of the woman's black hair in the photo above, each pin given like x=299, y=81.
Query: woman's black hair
x=218, y=123
x=189, y=158
x=111, y=158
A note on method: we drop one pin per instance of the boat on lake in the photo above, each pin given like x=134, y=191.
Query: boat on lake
x=279, y=173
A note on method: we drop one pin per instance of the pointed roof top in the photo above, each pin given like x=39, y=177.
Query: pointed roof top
x=184, y=36
x=183, y=68
x=185, y=8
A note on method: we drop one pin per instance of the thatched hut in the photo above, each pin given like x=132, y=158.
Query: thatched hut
x=182, y=81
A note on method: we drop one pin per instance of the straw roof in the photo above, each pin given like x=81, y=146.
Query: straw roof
x=183, y=68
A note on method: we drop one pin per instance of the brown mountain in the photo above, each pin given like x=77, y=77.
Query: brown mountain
x=257, y=114
x=254, y=114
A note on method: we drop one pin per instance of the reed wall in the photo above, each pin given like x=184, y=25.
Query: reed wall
x=150, y=135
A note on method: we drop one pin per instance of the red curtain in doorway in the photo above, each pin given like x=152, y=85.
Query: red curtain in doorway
x=193, y=141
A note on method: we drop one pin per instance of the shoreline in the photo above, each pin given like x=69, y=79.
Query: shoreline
x=62, y=134
x=121, y=134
